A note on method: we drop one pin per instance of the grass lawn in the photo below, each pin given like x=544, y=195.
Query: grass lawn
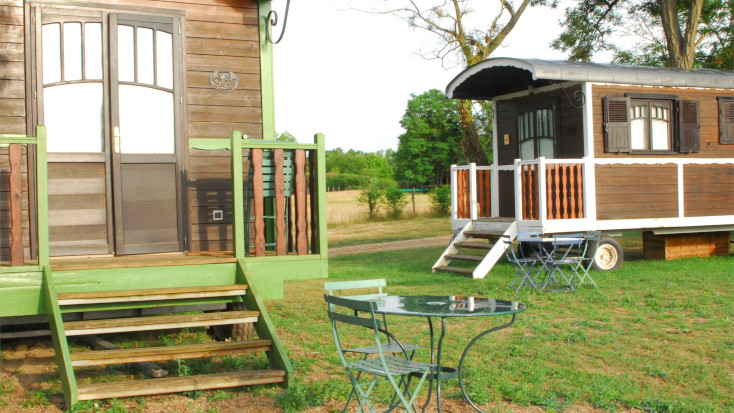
x=656, y=335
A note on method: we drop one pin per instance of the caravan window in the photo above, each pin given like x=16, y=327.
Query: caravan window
x=650, y=125
x=536, y=133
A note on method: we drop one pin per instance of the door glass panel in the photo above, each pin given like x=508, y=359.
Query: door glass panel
x=125, y=54
x=73, y=115
x=527, y=150
x=146, y=120
x=51, y=34
x=93, y=50
x=546, y=148
x=145, y=55
x=72, y=51
x=164, y=59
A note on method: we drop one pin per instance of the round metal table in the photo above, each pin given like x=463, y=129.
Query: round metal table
x=431, y=306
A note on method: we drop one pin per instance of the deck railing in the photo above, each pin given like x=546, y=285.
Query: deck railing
x=471, y=191
x=14, y=193
x=560, y=185
x=283, y=201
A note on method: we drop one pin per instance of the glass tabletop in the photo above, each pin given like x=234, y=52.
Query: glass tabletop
x=445, y=306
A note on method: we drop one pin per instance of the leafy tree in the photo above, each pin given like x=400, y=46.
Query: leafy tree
x=430, y=143
x=372, y=196
x=395, y=200
x=287, y=137
x=467, y=40
x=675, y=33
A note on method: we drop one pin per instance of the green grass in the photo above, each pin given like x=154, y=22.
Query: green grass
x=388, y=230
x=655, y=335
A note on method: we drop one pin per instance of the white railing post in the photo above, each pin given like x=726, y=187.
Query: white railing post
x=542, y=191
x=681, y=195
x=495, y=191
x=589, y=185
x=473, y=191
x=518, y=191
x=454, y=200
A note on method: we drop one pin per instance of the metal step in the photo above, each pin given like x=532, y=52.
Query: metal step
x=136, y=355
x=471, y=258
x=120, y=325
x=179, y=384
x=459, y=270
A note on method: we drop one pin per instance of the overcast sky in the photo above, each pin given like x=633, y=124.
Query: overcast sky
x=349, y=74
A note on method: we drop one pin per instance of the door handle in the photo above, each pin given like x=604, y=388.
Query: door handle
x=116, y=136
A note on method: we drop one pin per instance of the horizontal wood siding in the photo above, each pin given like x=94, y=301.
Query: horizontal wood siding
x=12, y=69
x=708, y=190
x=674, y=246
x=708, y=112
x=622, y=194
x=569, y=139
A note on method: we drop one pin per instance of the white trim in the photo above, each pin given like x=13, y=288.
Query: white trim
x=518, y=190
x=628, y=85
x=495, y=175
x=542, y=190
x=473, y=191
x=662, y=161
x=454, y=189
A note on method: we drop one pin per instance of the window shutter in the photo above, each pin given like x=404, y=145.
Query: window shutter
x=616, y=125
x=689, y=139
x=726, y=121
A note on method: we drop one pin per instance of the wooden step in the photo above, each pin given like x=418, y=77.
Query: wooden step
x=474, y=245
x=136, y=355
x=460, y=270
x=471, y=258
x=179, y=384
x=120, y=325
x=156, y=294
x=484, y=234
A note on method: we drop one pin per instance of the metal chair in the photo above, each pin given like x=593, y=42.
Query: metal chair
x=524, y=264
x=567, y=253
x=389, y=347
x=584, y=265
x=385, y=368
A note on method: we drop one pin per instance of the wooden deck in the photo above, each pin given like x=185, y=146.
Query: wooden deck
x=131, y=261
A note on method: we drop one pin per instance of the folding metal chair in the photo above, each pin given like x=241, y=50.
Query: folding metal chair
x=390, y=346
x=568, y=252
x=524, y=264
x=385, y=368
x=584, y=265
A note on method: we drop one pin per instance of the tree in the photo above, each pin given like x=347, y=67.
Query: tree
x=287, y=137
x=468, y=41
x=430, y=143
x=675, y=33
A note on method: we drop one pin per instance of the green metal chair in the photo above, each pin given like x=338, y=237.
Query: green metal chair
x=386, y=368
x=390, y=347
x=584, y=265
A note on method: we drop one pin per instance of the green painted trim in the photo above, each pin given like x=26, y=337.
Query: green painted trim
x=283, y=258
x=238, y=198
x=226, y=144
x=267, y=86
x=320, y=141
x=264, y=327
x=271, y=276
x=42, y=195
x=19, y=268
x=21, y=139
x=58, y=336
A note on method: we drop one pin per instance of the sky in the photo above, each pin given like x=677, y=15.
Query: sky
x=349, y=74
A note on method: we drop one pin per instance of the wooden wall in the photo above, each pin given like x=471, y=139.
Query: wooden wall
x=622, y=194
x=5, y=239
x=12, y=68
x=708, y=112
x=708, y=190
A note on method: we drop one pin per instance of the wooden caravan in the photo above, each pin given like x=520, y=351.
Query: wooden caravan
x=132, y=140
x=580, y=146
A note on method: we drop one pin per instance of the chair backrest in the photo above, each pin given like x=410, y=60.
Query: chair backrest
x=569, y=245
x=344, y=312
x=378, y=283
x=592, y=243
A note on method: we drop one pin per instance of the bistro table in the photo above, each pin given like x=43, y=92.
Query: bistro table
x=430, y=306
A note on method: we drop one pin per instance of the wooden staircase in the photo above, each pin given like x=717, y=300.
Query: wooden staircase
x=65, y=302
x=476, y=248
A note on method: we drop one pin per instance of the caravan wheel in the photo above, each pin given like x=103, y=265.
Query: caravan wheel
x=609, y=255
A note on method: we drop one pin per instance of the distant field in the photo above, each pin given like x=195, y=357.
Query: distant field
x=342, y=207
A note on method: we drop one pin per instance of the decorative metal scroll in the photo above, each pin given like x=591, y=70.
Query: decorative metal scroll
x=578, y=96
x=272, y=20
x=224, y=80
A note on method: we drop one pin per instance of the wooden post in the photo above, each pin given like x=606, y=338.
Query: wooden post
x=280, y=240
x=16, y=205
x=301, y=224
x=257, y=192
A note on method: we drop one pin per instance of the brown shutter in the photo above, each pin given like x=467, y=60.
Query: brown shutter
x=689, y=139
x=726, y=121
x=616, y=125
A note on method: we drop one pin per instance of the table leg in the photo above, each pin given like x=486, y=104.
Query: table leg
x=463, y=355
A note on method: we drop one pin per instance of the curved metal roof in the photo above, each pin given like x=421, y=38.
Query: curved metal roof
x=502, y=75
